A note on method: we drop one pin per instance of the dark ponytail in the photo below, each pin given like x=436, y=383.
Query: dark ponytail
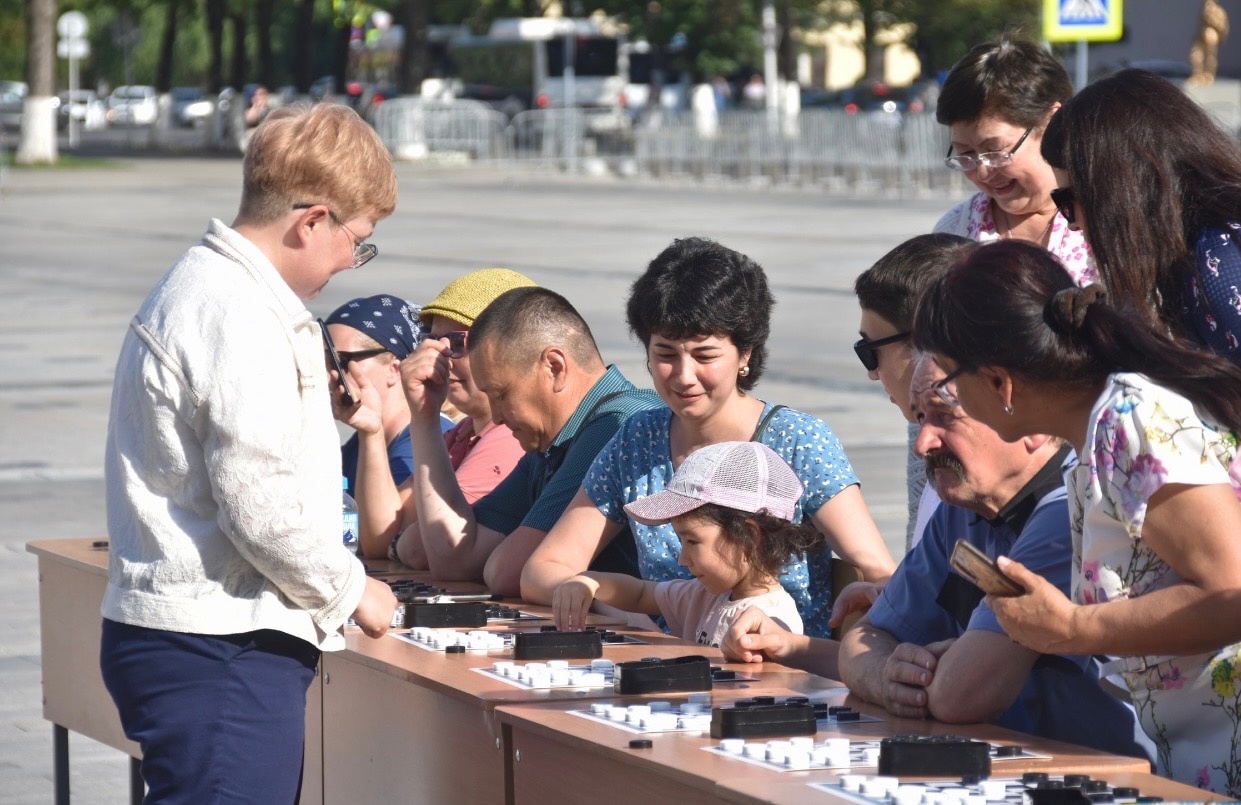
x=1011, y=304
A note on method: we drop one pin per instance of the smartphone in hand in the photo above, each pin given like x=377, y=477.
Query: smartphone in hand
x=346, y=399
x=981, y=569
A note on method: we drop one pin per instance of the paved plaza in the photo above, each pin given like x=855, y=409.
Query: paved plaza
x=79, y=249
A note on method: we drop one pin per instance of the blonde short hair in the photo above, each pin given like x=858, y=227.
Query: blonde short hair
x=321, y=154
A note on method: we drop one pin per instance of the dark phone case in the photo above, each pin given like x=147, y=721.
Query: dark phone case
x=345, y=397
x=980, y=569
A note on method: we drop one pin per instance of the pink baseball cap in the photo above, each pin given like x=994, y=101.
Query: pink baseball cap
x=748, y=476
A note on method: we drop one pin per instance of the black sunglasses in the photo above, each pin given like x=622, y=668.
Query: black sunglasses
x=1064, y=200
x=866, y=350
x=458, y=343
x=347, y=358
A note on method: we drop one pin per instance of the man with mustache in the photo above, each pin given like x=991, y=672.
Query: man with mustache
x=930, y=647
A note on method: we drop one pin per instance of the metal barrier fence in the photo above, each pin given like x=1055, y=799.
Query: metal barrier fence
x=860, y=153
x=413, y=128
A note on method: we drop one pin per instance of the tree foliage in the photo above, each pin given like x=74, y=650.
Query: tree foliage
x=305, y=39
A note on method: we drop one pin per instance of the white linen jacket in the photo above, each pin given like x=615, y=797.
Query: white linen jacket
x=223, y=462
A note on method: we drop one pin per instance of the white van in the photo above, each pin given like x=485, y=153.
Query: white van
x=136, y=105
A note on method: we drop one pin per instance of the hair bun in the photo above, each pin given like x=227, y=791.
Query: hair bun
x=1068, y=307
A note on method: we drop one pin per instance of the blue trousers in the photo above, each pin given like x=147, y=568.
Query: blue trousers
x=220, y=718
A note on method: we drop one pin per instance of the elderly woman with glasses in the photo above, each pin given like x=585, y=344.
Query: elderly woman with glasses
x=1155, y=187
x=996, y=102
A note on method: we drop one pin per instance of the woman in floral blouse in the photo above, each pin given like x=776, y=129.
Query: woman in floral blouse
x=996, y=102
x=1154, y=506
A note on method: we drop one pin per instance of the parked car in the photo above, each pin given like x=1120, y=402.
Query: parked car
x=85, y=107
x=190, y=106
x=819, y=98
x=12, y=98
x=136, y=105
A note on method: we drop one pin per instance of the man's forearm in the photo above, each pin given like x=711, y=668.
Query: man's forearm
x=864, y=653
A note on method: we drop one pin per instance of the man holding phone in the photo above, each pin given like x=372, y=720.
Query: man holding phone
x=930, y=646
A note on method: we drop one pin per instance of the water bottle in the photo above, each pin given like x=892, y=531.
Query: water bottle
x=349, y=512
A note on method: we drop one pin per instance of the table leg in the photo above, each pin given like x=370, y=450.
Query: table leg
x=60, y=763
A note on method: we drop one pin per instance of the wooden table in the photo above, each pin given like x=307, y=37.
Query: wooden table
x=389, y=721
x=561, y=757
x=762, y=791
x=396, y=715
x=73, y=574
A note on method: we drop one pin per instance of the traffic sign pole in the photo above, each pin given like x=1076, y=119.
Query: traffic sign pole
x=1083, y=56
x=1083, y=22
x=72, y=27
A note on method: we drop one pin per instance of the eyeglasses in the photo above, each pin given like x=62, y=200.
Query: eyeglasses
x=363, y=252
x=946, y=395
x=867, y=350
x=347, y=358
x=992, y=159
x=457, y=342
x=1065, y=202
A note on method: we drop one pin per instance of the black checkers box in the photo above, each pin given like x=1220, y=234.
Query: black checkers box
x=466, y=615
x=606, y=636
x=406, y=590
x=552, y=645
x=763, y=717
x=946, y=755
x=655, y=675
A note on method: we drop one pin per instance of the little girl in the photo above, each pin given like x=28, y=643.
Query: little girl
x=730, y=503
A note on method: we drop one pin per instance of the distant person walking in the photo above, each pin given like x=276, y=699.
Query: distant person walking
x=754, y=93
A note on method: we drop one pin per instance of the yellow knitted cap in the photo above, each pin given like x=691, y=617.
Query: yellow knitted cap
x=463, y=299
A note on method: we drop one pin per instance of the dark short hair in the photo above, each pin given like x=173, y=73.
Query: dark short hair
x=1014, y=80
x=1150, y=169
x=524, y=321
x=891, y=286
x=697, y=287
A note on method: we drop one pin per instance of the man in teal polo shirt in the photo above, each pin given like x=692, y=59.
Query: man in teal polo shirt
x=534, y=357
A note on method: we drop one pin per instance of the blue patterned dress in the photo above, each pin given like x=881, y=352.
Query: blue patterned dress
x=1212, y=294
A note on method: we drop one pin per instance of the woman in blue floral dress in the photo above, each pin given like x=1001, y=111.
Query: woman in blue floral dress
x=1154, y=505
x=703, y=313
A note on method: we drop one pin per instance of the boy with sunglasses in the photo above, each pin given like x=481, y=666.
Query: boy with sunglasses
x=888, y=294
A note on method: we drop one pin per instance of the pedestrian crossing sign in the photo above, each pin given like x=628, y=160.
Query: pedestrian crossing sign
x=1082, y=20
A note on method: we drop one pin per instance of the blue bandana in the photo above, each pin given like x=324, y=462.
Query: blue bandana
x=390, y=320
